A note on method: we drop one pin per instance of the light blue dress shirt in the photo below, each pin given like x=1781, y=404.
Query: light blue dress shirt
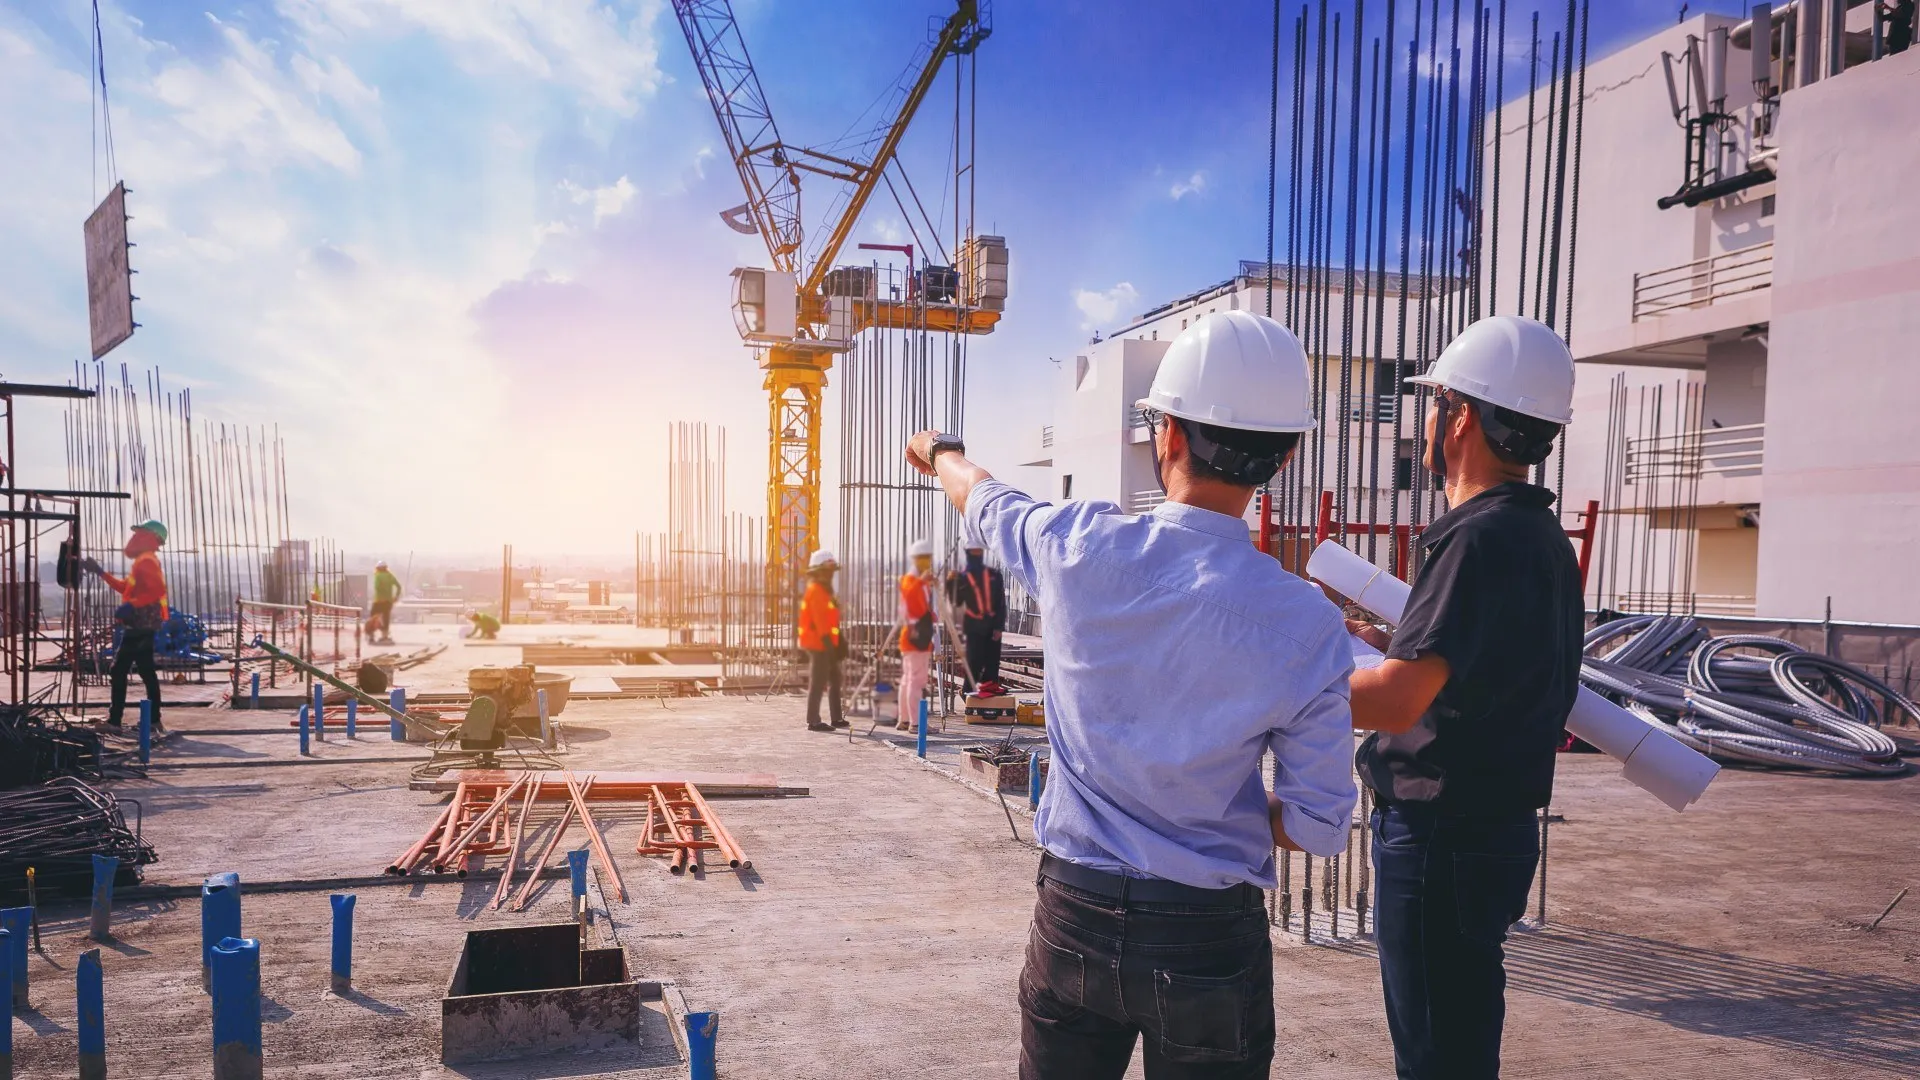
x=1176, y=654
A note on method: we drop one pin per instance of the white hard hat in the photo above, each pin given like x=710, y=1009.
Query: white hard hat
x=921, y=547
x=820, y=558
x=1235, y=369
x=1510, y=362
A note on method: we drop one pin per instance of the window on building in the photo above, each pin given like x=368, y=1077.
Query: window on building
x=1066, y=485
x=1156, y=335
x=1183, y=324
x=1403, y=468
x=1766, y=206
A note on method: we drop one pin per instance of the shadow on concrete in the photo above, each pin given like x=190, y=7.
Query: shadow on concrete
x=182, y=746
x=587, y=734
x=39, y=1022
x=272, y=1012
x=1860, y=1020
x=123, y=948
x=476, y=897
x=372, y=1004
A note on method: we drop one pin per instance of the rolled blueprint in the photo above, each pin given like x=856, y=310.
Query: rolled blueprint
x=1652, y=760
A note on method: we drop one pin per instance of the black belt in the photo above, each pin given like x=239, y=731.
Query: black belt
x=1143, y=890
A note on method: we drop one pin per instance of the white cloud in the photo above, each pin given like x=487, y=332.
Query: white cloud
x=583, y=44
x=246, y=101
x=1105, y=308
x=1192, y=185
x=606, y=201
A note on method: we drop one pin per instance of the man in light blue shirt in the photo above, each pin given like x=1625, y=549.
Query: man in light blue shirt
x=1177, y=655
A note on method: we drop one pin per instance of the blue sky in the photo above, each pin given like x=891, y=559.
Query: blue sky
x=461, y=247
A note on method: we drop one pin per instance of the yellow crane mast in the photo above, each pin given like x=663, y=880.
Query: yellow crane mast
x=785, y=313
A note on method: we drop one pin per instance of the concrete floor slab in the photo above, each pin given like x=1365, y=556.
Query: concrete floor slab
x=881, y=929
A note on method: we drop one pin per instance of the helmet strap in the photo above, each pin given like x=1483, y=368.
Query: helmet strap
x=1239, y=466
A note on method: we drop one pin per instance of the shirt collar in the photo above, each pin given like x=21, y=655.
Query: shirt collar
x=1513, y=492
x=1206, y=521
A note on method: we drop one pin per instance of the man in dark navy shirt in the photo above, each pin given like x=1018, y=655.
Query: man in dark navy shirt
x=1471, y=702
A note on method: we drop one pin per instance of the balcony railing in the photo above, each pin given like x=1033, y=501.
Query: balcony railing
x=1682, y=603
x=1046, y=437
x=1143, y=501
x=1688, y=455
x=1375, y=407
x=1703, y=281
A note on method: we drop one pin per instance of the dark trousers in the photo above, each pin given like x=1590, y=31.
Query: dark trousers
x=823, y=676
x=1195, y=979
x=1447, y=889
x=136, y=651
x=983, y=652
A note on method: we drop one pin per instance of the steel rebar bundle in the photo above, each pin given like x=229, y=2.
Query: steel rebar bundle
x=1747, y=697
x=37, y=745
x=57, y=828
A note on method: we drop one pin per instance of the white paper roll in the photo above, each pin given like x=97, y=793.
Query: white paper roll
x=1654, y=761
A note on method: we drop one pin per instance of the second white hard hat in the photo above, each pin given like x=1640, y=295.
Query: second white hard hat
x=1235, y=369
x=1510, y=362
x=919, y=548
x=820, y=558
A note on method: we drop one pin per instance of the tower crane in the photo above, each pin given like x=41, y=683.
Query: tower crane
x=798, y=314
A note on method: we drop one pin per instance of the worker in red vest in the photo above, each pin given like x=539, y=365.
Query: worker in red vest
x=820, y=639
x=915, y=614
x=143, y=593
x=979, y=594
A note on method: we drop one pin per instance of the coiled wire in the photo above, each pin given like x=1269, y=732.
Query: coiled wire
x=1773, y=703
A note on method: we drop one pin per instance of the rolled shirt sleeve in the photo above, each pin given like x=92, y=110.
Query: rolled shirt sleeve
x=1314, y=752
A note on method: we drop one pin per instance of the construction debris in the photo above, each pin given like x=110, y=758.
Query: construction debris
x=681, y=825
x=37, y=745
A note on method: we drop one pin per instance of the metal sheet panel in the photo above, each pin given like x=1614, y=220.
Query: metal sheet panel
x=109, y=281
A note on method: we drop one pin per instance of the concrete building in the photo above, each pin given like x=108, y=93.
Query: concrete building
x=1741, y=320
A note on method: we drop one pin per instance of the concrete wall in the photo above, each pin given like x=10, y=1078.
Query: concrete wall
x=1842, y=475
x=1736, y=384
x=1095, y=390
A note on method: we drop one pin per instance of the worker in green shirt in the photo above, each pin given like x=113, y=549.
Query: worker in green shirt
x=485, y=626
x=386, y=590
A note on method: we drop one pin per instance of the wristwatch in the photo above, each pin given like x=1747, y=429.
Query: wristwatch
x=943, y=443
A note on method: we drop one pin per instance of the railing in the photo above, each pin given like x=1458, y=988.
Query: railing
x=1681, y=603
x=1723, y=451
x=1046, y=437
x=1143, y=501
x=1703, y=281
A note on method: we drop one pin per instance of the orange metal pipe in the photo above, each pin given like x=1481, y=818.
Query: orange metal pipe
x=735, y=857
x=593, y=836
x=447, y=856
x=513, y=855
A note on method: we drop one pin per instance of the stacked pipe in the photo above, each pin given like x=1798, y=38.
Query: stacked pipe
x=57, y=829
x=1746, y=697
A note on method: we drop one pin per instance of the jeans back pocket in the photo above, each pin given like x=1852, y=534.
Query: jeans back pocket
x=1054, y=984
x=1203, y=1018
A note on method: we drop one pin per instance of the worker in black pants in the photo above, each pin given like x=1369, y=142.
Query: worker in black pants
x=979, y=594
x=140, y=616
x=1470, y=705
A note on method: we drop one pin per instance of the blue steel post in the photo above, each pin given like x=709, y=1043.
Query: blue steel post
x=104, y=867
x=305, y=746
x=577, y=871
x=546, y=730
x=90, y=1009
x=396, y=730
x=353, y=715
x=319, y=711
x=17, y=922
x=219, y=918
x=703, y=1029
x=342, y=942
x=1034, y=784
x=920, y=740
x=253, y=696
x=146, y=732
x=6, y=1005
x=236, y=1010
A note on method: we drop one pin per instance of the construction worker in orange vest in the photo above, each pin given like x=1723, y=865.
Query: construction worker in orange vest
x=143, y=593
x=820, y=638
x=979, y=594
x=915, y=613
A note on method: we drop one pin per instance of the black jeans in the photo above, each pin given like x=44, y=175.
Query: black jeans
x=136, y=651
x=823, y=676
x=1195, y=979
x=983, y=652
x=1447, y=889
